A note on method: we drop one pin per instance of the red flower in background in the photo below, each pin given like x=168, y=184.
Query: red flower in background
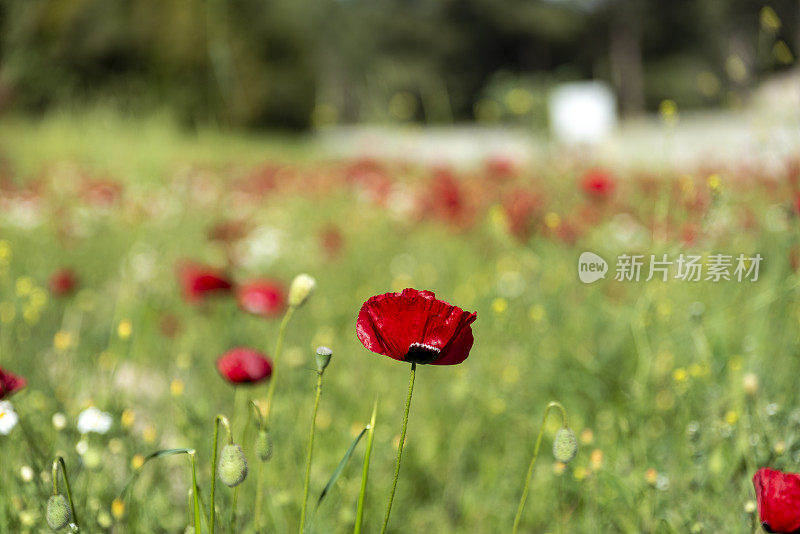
x=331, y=240
x=10, y=383
x=228, y=231
x=413, y=326
x=501, y=167
x=266, y=298
x=598, y=184
x=101, y=193
x=445, y=197
x=778, y=496
x=199, y=281
x=689, y=233
x=794, y=258
x=244, y=366
x=521, y=208
x=63, y=282
x=169, y=325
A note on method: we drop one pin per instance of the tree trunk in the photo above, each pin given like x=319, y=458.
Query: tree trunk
x=625, y=51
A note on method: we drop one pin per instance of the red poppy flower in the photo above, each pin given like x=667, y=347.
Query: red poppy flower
x=598, y=184
x=266, y=298
x=63, y=282
x=198, y=281
x=778, y=496
x=413, y=326
x=244, y=366
x=10, y=383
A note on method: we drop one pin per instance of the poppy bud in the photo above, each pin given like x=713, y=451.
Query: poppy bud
x=302, y=287
x=323, y=358
x=264, y=446
x=232, y=466
x=565, y=446
x=58, y=512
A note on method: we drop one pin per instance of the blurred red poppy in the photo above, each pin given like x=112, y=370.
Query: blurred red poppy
x=101, y=193
x=10, y=383
x=522, y=209
x=63, y=282
x=778, y=496
x=228, y=231
x=501, y=167
x=198, y=281
x=413, y=326
x=598, y=184
x=331, y=241
x=241, y=365
x=266, y=298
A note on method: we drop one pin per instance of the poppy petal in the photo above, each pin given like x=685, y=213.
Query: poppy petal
x=778, y=496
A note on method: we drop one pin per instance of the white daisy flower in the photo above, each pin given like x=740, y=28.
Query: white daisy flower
x=26, y=473
x=59, y=421
x=8, y=418
x=93, y=420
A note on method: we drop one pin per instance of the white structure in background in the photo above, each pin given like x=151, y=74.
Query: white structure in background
x=582, y=112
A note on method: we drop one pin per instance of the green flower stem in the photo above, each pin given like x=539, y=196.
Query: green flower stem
x=260, y=474
x=362, y=495
x=60, y=461
x=310, y=451
x=217, y=420
x=400, y=447
x=238, y=398
x=524, y=497
x=259, y=496
x=276, y=359
x=195, y=492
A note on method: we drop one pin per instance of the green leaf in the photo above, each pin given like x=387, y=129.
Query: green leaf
x=341, y=466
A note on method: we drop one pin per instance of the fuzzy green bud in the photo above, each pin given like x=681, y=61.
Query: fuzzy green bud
x=189, y=530
x=565, y=445
x=302, y=287
x=264, y=446
x=323, y=358
x=58, y=512
x=232, y=466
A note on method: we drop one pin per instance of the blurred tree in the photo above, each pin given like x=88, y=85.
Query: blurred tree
x=278, y=63
x=238, y=62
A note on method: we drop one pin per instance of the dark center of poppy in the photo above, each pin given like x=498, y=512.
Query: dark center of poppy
x=421, y=353
x=769, y=529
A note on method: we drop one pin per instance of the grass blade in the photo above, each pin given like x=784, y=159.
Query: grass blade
x=367, y=454
x=153, y=456
x=341, y=466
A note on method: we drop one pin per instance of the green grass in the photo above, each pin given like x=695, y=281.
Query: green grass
x=649, y=383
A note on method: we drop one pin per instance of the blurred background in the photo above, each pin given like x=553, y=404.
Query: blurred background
x=471, y=147
x=309, y=64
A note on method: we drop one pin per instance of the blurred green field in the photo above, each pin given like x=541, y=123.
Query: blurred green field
x=657, y=377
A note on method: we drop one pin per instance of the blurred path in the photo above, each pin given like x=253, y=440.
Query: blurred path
x=765, y=131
